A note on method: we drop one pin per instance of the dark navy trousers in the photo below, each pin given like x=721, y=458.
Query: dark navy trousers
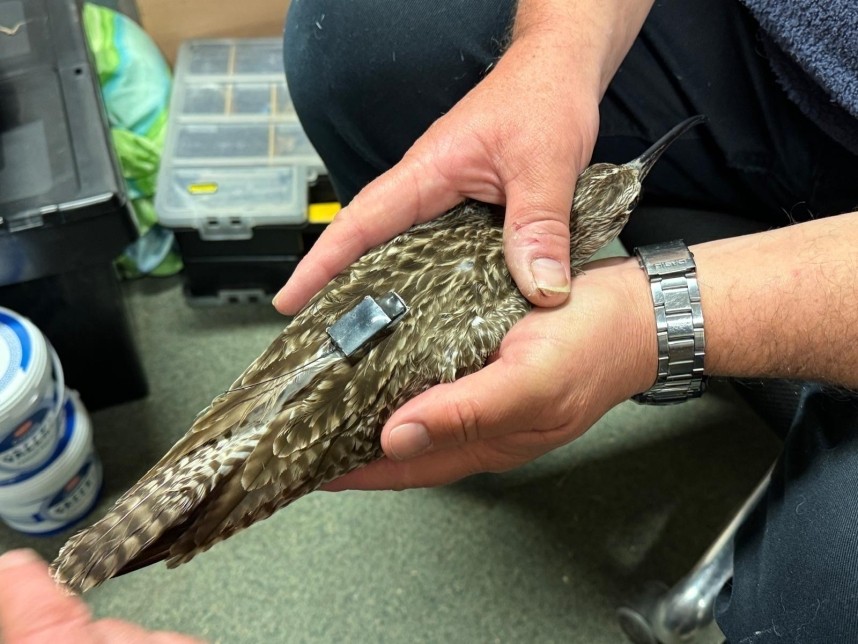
x=369, y=77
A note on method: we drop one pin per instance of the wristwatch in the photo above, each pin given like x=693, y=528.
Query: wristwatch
x=679, y=323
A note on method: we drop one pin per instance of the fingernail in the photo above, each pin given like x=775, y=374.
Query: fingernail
x=16, y=558
x=409, y=440
x=276, y=302
x=549, y=275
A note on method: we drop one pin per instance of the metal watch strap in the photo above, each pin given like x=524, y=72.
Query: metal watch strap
x=679, y=323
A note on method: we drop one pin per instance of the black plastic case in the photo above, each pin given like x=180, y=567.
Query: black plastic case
x=64, y=211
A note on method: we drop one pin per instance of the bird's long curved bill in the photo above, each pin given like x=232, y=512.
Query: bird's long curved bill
x=647, y=160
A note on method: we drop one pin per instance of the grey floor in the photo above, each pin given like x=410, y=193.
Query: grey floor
x=542, y=554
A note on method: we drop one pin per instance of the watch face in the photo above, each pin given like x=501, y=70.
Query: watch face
x=667, y=258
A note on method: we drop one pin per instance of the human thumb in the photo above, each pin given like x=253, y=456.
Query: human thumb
x=536, y=243
x=483, y=405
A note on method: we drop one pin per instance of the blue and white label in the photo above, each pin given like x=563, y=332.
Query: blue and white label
x=15, y=350
x=76, y=497
x=34, y=442
x=57, y=512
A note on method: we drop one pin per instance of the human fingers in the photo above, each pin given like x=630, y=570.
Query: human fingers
x=429, y=470
x=504, y=397
x=114, y=630
x=536, y=239
x=32, y=605
x=448, y=465
x=539, y=153
x=409, y=193
x=553, y=366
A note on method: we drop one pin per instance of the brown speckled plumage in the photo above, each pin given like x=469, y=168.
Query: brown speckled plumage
x=272, y=438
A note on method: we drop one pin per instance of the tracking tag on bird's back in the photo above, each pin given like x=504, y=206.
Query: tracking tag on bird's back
x=360, y=325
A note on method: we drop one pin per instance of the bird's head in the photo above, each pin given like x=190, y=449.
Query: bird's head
x=606, y=194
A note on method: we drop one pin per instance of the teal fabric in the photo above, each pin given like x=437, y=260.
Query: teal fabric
x=135, y=84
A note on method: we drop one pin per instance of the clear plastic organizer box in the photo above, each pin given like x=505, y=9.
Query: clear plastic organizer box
x=235, y=156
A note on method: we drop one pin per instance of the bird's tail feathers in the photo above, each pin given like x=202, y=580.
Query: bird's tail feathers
x=161, y=500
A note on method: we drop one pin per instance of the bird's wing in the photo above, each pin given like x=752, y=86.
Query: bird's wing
x=332, y=427
x=204, y=460
x=281, y=368
x=248, y=455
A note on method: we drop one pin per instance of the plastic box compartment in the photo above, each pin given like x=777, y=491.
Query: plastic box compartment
x=235, y=280
x=238, y=171
x=266, y=241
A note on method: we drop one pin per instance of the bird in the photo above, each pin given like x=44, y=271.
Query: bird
x=308, y=410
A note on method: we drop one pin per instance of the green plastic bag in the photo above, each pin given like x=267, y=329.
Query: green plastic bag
x=135, y=83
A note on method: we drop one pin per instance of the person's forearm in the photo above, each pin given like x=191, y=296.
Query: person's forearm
x=596, y=34
x=778, y=304
x=783, y=303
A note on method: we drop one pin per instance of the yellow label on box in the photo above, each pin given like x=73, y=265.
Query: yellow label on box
x=322, y=213
x=203, y=188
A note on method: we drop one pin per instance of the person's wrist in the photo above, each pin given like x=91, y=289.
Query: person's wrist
x=635, y=350
x=568, y=30
x=550, y=46
x=642, y=332
x=541, y=17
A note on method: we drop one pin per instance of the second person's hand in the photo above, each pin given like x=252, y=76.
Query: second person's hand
x=35, y=610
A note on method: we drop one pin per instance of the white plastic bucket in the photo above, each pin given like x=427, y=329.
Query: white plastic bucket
x=31, y=394
x=63, y=492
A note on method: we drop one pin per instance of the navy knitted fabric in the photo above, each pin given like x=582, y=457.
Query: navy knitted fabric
x=812, y=46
